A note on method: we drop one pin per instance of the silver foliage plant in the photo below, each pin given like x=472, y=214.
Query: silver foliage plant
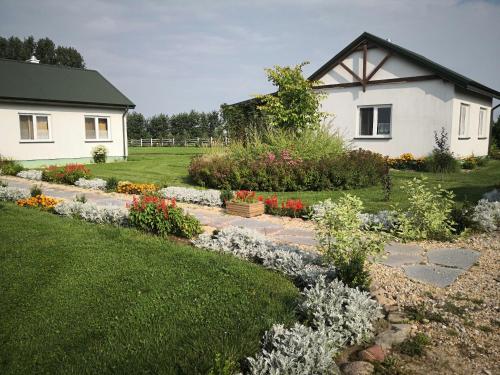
x=31, y=174
x=348, y=312
x=382, y=220
x=208, y=197
x=94, y=183
x=13, y=194
x=486, y=215
x=251, y=245
x=296, y=351
x=91, y=212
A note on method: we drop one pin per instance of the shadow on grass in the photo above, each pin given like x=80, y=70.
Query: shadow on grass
x=470, y=193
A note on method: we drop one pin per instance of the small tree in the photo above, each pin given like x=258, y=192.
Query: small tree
x=295, y=105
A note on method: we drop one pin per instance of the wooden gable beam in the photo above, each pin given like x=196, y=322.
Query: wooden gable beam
x=377, y=68
x=351, y=72
x=365, y=53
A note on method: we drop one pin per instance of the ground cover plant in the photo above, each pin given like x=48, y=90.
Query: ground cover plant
x=119, y=301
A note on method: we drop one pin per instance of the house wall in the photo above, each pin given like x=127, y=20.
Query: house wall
x=418, y=109
x=472, y=144
x=67, y=142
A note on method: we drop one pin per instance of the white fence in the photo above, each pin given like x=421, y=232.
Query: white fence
x=170, y=142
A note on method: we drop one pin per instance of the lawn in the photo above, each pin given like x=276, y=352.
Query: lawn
x=168, y=165
x=91, y=299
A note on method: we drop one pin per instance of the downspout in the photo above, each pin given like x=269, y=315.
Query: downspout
x=491, y=127
x=124, y=131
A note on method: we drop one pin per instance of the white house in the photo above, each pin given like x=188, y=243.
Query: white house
x=53, y=114
x=390, y=100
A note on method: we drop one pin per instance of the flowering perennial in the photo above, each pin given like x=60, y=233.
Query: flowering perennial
x=31, y=174
x=246, y=196
x=39, y=201
x=67, y=174
x=127, y=187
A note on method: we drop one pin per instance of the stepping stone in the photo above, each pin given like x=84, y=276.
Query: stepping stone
x=400, y=248
x=397, y=260
x=433, y=274
x=256, y=224
x=457, y=258
x=295, y=240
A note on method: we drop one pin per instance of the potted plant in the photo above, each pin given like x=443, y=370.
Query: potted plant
x=245, y=203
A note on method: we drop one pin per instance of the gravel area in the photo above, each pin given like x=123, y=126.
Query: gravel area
x=462, y=320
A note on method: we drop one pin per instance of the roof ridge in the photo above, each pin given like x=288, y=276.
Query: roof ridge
x=57, y=66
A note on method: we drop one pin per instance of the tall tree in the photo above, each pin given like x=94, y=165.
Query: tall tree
x=29, y=46
x=136, y=126
x=68, y=56
x=14, y=48
x=46, y=51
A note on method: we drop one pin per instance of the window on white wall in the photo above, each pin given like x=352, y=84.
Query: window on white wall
x=96, y=128
x=34, y=127
x=481, y=130
x=375, y=121
x=463, y=127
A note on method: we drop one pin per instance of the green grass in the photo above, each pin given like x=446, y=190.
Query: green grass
x=91, y=299
x=169, y=165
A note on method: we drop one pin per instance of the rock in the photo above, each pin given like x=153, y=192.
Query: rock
x=374, y=353
x=396, y=334
x=358, y=368
x=396, y=317
x=390, y=308
x=343, y=357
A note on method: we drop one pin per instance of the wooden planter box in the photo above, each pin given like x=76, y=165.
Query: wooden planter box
x=245, y=209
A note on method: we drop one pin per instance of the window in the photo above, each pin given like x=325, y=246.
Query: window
x=463, y=128
x=96, y=128
x=481, y=130
x=375, y=121
x=34, y=128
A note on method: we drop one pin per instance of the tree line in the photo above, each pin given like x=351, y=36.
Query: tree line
x=43, y=49
x=180, y=126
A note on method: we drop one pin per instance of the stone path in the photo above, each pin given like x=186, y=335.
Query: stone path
x=439, y=267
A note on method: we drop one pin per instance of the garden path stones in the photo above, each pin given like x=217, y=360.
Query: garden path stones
x=456, y=258
x=402, y=254
x=433, y=274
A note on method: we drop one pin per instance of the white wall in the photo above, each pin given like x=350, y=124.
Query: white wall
x=67, y=131
x=472, y=144
x=418, y=109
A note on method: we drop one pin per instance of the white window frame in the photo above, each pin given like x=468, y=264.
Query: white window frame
x=375, y=122
x=96, y=128
x=484, y=133
x=35, y=128
x=466, y=134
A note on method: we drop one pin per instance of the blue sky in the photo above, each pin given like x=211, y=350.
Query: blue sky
x=172, y=56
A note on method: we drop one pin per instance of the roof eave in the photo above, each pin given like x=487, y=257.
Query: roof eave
x=66, y=103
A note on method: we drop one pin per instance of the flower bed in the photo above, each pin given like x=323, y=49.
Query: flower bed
x=407, y=161
x=13, y=194
x=31, y=174
x=95, y=183
x=67, y=174
x=161, y=216
x=39, y=201
x=189, y=195
x=93, y=213
x=127, y=187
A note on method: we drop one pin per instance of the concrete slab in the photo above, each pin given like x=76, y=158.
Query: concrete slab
x=401, y=248
x=457, y=258
x=433, y=274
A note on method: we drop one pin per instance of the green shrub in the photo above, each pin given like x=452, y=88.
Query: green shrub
x=111, y=184
x=226, y=196
x=414, y=346
x=161, y=216
x=9, y=166
x=35, y=190
x=67, y=174
x=343, y=242
x=441, y=160
x=99, y=154
x=428, y=212
x=81, y=198
x=462, y=217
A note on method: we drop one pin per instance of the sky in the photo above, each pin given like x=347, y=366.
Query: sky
x=173, y=56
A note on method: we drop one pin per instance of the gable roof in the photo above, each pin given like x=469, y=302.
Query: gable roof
x=441, y=71
x=58, y=84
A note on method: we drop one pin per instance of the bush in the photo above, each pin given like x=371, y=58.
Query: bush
x=428, y=212
x=287, y=172
x=67, y=174
x=127, y=187
x=470, y=162
x=441, y=159
x=486, y=215
x=342, y=240
x=99, y=154
x=9, y=166
x=35, y=190
x=13, y=194
x=111, y=184
x=190, y=195
x=161, y=216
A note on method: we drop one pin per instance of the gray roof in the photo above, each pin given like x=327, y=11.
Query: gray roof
x=57, y=84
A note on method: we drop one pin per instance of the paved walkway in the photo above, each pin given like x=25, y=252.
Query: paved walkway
x=439, y=267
